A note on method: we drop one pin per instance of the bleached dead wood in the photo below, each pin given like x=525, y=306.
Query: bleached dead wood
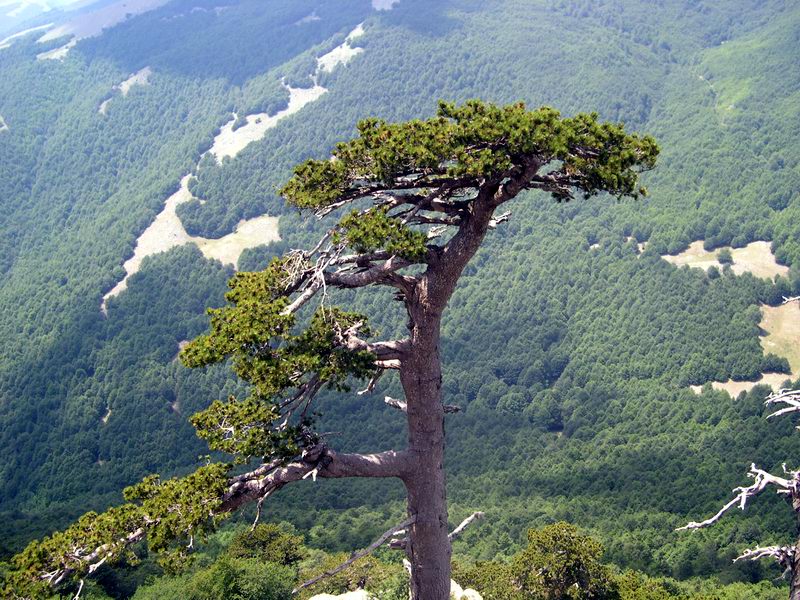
x=356, y=555
x=788, y=397
x=762, y=479
x=401, y=543
x=403, y=407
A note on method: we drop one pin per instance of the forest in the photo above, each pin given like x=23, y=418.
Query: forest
x=568, y=347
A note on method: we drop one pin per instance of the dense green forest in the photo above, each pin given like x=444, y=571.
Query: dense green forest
x=570, y=348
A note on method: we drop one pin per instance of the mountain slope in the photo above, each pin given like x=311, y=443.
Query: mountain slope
x=570, y=348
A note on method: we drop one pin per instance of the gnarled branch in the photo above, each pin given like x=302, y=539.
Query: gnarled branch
x=762, y=480
x=783, y=554
x=789, y=397
x=318, y=461
x=403, y=407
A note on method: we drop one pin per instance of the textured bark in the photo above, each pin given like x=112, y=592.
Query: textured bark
x=319, y=462
x=794, y=587
x=428, y=547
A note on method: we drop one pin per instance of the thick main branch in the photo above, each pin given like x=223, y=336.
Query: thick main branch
x=318, y=461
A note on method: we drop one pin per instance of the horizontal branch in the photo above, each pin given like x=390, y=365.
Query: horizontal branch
x=762, y=479
x=791, y=398
x=373, y=274
x=318, y=461
x=783, y=554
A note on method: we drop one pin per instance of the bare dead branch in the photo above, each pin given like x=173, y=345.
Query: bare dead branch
x=403, y=407
x=762, y=480
x=464, y=524
x=495, y=221
x=372, y=383
x=392, y=350
x=401, y=543
x=373, y=274
x=783, y=554
x=787, y=300
x=789, y=397
x=395, y=403
x=356, y=555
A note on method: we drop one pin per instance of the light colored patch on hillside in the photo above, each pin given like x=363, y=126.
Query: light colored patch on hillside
x=25, y=4
x=755, y=258
x=167, y=232
x=230, y=142
x=92, y=23
x=734, y=388
x=141, y=77
x=782, y=327
x=248, y=234
x=3, y=124
x=107, y=416
x=6, y=42
x=343, y=53
x=384, y=4
x=782, y=324
x=308, y=19
x=58, y=53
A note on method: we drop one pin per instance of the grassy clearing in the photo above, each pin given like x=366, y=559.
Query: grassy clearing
x=782, y=327
x=248, y=234
x=755, y=258
x=167, y=232
x=782, y=324
x=230, y=142
x=734, y=388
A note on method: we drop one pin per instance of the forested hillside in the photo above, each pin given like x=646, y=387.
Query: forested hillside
x=570, y=343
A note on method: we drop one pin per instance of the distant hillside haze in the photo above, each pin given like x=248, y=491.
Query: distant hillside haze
x=572, y=343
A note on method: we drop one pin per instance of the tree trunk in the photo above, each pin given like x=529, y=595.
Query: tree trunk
x=429, y=546
x=421, y=375
x=794, y=587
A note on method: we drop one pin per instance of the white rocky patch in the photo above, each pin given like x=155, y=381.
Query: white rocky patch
x=343, y=53
x=59, y=53
x=141, y=77
x=456, y=593
x=308, y=19
x=230, y=142
x=21, y=6
x=92, y=23
x=167, y=232
x=3, y=124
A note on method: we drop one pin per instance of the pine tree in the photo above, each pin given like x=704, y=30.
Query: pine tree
x=425, y=195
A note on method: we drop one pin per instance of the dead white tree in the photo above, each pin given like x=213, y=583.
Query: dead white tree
x=787, y=486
